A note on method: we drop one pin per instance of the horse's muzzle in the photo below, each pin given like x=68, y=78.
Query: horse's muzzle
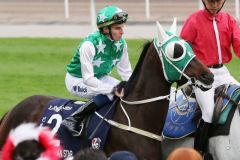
x=205, y=81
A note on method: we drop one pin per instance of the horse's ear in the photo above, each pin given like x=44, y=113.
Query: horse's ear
x=173, y=28
x=161, y=33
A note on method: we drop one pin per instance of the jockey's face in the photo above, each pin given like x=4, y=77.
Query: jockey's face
x=213, y=6
x=116, y=30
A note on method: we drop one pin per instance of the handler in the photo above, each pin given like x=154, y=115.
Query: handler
x=211, y=32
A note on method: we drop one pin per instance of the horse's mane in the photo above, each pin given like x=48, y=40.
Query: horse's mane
x=137, y=70
x=1, y=119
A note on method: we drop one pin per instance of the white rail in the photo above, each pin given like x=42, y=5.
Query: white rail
x=237, y=9
x=200, y=5
x=66, y=8
x=93, y=15
x=147, y=10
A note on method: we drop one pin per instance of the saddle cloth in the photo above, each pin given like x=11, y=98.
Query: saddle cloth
x=182, y=115
x=180, y=118
x=59, y=109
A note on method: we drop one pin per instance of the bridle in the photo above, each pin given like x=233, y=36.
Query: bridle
x=140, y=131
x=162, y=55
x=133, y=129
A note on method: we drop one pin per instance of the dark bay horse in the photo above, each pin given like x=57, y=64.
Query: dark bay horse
x=166, y=60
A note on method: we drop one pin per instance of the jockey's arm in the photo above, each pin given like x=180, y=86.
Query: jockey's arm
x=98, y=86
x=124, y=67
x=87, y=52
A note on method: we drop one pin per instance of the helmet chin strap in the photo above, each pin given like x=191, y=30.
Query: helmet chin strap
x=110, y=32
x=218, y=10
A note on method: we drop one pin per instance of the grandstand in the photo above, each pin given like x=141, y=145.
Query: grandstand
x=52, y=11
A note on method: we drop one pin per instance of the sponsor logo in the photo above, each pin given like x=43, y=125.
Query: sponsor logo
x=96, y=143
x=65, y=153
x=58, y=108
x=44, y=119
x=80, y=89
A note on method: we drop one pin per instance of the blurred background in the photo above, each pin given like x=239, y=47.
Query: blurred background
x=75, y=18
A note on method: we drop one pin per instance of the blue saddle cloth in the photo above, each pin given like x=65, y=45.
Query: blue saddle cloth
x=179, y=122
x=59, y=109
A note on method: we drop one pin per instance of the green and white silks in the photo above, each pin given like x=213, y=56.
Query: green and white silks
x=108, y=54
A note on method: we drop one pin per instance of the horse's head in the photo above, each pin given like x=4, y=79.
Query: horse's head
x=179, y=61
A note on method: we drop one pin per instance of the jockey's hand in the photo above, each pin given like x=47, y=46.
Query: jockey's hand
x=119, y=94
x=120, y=86
x=119, y=89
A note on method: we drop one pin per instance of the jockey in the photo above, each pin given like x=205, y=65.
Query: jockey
x=211, y=32
x=87, y=73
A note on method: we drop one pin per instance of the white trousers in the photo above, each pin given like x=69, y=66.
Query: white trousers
x=205, y=99
x=77, y=88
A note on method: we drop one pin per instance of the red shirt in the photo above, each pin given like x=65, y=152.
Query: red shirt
x=198, y=30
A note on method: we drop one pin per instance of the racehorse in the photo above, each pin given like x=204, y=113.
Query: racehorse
x=165, y=60
x=224, y=141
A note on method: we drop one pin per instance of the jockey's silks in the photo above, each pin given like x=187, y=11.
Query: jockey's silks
x=107, y=54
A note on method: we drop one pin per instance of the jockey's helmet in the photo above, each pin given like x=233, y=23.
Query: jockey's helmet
x=111, y=15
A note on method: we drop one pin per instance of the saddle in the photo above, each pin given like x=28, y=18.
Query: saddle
x=226, y=97
x=59, y=109
x=184, y=113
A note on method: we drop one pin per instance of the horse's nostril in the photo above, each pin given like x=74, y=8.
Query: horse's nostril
x=207, y=75
x=207, y=78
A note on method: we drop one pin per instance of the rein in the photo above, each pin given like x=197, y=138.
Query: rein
x=131, y=129
x=179, y=71
x=155, y=98
x=128, y=127
x=137, y=130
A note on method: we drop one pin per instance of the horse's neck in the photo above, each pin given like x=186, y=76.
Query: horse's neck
x=152, y=112
x=147, y=82
x=151, y=83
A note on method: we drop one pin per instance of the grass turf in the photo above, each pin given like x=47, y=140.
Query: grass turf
x=30, y=66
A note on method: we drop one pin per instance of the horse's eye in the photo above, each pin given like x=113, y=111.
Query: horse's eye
x=175, y=51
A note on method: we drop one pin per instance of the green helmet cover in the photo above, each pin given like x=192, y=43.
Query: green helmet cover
x=111, y=15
